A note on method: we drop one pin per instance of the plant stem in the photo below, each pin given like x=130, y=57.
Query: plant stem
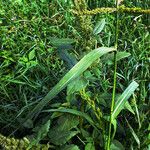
x=114, y=80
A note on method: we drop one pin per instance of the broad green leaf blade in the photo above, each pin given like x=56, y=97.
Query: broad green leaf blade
x=75, y=72
x=74, y=112
x=67, y=122
x=43, y=131
x=62, y=132
x=60, y=138
x=40, y=134
x=99, y=27
x=123, y=98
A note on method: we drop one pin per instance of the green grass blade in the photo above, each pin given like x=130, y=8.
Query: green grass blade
x=123, y=98
x=134, y=134
x=75, y=72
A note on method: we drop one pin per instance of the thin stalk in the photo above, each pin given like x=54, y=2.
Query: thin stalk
x=114, y=79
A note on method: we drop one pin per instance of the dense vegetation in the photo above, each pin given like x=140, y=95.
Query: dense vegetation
x=60, y=72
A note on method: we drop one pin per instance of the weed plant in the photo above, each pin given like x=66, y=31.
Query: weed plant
x=44, y=48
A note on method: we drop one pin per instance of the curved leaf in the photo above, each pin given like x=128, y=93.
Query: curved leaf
x=75, y=72
x=123, y=98
x=74, y=112
x=99, y=27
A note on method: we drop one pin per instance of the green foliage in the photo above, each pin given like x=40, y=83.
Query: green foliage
x=62, y=132
x=123, y=98
x=56, y=90
x=41, y=132
x=99, y=27
x=75, y=72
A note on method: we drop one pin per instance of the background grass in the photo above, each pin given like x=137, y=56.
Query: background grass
x=30, y=65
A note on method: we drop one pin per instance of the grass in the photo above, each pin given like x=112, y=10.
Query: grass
x=32, y=63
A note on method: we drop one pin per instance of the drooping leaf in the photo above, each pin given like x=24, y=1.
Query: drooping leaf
x=123, y=98
x=74, y=112
x=120, y=55
x=134, y=134
x=128, y=107
x=75, y=72
x=99, y=27
x=136, y=110
x=116, y=145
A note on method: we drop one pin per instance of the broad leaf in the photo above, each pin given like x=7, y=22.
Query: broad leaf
x=41, y=133
x=75, y=72
x=74, y=112
x=61, y=132
x=67, y=122
x=123, y=98
x=60, y=138
x=99, y=27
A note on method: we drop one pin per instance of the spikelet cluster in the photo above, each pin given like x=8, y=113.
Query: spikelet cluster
x=121, y=9
x=19, y=144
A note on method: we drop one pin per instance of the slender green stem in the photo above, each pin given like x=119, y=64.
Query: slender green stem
x=114, y=80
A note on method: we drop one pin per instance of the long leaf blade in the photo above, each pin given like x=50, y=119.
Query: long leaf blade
x=123, y=98
x=76, y=71
x=74, y=112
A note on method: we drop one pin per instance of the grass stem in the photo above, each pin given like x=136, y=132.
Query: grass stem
x=114, y=80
